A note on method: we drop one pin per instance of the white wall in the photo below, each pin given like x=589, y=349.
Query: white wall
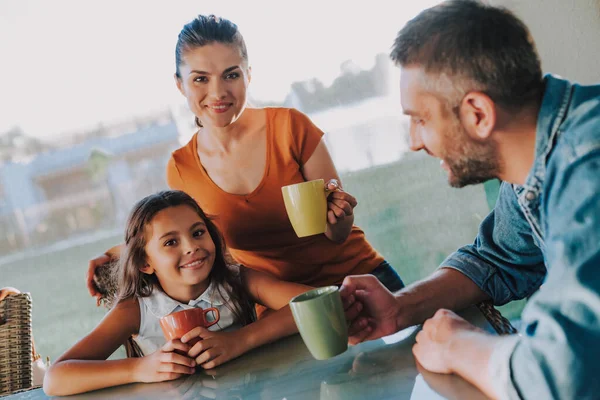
x=567, y=34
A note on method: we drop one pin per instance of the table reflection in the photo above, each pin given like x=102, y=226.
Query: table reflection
x=380, y=369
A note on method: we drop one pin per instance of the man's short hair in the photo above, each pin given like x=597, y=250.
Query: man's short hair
x=473, y=47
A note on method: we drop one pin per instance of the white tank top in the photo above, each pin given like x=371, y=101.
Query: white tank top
x=152, y=308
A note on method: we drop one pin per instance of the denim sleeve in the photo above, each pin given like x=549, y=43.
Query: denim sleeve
x=504, y=261
x=558, y=356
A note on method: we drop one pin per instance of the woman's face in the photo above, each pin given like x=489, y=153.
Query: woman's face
x=214, y=80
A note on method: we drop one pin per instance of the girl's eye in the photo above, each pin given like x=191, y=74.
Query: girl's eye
x=199, y=232
x=170, y=242
x=232, y=75
x=200, y=79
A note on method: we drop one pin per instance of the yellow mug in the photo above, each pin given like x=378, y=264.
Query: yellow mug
x=306, y=206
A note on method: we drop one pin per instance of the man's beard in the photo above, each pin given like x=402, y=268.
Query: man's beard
x=470, y=162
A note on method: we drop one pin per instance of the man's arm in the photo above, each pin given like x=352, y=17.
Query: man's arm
x=503, y=264
x=557, y=355
x=445, y=288
x=559, y=349
x=375, y=312
x=505, y=260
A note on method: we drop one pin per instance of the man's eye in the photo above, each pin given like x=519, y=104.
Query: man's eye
x=200, y=79
x=233, y=75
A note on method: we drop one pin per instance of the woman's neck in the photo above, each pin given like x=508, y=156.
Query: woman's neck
x=220, y=138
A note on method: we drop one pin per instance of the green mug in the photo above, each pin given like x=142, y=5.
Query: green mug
x=320, y=319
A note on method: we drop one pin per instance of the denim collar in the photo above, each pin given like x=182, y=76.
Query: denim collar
x=555, y=103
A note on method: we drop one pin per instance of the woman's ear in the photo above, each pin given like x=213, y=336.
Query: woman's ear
x=147, y=269
x=179, y=84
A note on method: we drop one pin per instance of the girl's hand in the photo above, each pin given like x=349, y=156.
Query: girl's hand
x=165, y=364
x=339, y=203
x=215, y=348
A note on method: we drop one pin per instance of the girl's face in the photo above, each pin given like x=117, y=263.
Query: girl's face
x=180, y=252
x=214, y=79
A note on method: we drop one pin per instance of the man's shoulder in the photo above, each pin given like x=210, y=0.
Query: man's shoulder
x=579, y=133
x=581, y=127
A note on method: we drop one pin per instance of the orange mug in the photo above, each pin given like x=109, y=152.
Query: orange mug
x=177, y=324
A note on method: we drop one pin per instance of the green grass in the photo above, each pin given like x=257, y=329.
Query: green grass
x=406, y=209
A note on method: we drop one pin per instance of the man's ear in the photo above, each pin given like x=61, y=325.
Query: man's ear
x=147, y=269
x=478, y=115
x=249, y=74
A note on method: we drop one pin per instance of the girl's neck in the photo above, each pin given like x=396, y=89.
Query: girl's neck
x=185, y=294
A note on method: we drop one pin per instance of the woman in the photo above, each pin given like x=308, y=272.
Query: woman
x=240, y=157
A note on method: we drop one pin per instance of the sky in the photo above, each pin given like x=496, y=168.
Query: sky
x=67, y=65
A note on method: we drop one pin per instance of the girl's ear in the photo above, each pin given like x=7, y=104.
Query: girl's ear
x=147, y=269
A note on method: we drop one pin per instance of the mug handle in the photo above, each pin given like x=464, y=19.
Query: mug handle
x=216, y=311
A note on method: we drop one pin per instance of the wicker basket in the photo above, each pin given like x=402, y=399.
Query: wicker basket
x=15, y=343
x=500, y=324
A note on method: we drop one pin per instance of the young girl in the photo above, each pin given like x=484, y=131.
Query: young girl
x=173, y=259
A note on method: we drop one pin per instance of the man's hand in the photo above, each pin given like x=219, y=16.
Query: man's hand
x=434, y=343
x=377, y=314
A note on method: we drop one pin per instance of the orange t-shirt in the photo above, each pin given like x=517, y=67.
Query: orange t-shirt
x=255, y=226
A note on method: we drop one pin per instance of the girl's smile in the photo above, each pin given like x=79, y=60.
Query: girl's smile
x=194, y=264
x=180, y=252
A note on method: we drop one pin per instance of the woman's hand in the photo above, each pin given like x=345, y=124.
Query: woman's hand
x=89, y=277
x=214, y=348
x=165, y=364
x=340, y=204
x=340, y=212
x=111, y=255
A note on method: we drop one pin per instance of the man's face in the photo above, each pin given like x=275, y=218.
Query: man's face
x=435, y=128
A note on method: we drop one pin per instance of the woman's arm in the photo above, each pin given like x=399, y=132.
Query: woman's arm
x=340, y=215
x=84, y=366
x=219, y=347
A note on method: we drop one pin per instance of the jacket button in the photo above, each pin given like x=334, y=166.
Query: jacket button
x=530, y=195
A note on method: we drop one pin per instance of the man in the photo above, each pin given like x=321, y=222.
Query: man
x=471, y=82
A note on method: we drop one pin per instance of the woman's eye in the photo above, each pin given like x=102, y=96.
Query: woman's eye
x=232, y=75
x=171, y=242
x=199, y=232
x=418, y=121
x=200, y=79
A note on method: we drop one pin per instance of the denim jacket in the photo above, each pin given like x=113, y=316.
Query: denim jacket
x=546, y=234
